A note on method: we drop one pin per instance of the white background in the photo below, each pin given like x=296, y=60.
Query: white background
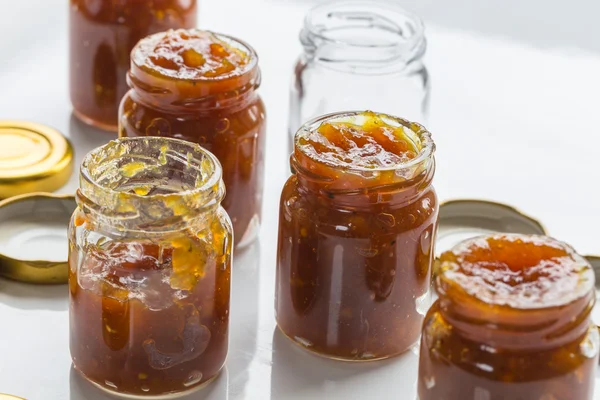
x=515, y=115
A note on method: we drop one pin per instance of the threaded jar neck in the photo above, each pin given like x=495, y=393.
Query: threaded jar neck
x=367, y=37
x=149, y=185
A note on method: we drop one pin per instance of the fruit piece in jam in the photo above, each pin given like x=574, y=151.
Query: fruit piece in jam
x=512, y=322
x=368, y=143
x=192, y=54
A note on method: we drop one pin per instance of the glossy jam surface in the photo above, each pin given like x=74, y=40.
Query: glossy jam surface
x=371, y=143
x=191, y=54
x=102, y=34
x=517, y=271
x=223, y=113
x=512, y=322
x=355, y=251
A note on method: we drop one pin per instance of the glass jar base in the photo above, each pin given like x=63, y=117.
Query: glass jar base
x=303, y=345
x=92, y=122
x=166, y=396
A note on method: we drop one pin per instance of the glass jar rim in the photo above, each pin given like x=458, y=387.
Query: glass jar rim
x=192, y=147
x=139, y=55
x=110, y=175
x=412, y=21
x=420, y=132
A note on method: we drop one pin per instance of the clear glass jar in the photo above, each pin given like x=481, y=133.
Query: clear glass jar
x=512, y=322
x=360, y=55
x=356, y=246
x=102, y=34
x=219, y=109
x=150, y=263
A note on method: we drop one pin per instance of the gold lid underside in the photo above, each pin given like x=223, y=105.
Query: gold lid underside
x=35, y=271
x=10, y=397
x=33, y=158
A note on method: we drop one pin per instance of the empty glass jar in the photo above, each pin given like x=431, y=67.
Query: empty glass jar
x=360, y=55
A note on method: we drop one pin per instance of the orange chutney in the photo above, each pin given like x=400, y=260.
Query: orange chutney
x=512, y=322
x=357, y=225
x=201, y=87
x=102, y=34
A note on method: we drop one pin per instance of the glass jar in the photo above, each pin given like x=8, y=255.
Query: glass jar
x=512, y=322
x=360, y=55
x=356, y=246
x=150, y=263
x=102, y=34
x=182, y=86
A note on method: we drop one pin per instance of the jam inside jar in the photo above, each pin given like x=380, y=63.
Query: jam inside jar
x=150, y=261
x=201, y=86
x=356, y=231
x=102, y=34
x=512, y=322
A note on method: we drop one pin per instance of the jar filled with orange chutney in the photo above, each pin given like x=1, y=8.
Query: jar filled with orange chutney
x=512, y=322
x=356, y=231
x=102, y=34
x=201, y=87
x=150, y=261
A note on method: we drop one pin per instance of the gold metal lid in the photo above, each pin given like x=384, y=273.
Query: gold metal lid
x=33, y=158
x=34, y=237
x=463, y=219
x=10, y=397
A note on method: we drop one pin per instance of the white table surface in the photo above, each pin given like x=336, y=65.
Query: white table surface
x=516, y=89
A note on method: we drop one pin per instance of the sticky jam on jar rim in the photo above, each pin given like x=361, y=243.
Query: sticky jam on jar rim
x=201, y=87
x=150, y=261
x=102, y=35
x=512, y=322
x=356, y=237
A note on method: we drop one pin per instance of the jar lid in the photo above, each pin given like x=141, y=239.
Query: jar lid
x=9, y=397
x=33, y=158
x=34, y=237
x=467, y=218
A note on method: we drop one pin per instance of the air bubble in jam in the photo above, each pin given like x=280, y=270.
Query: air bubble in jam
x=303, y=342
x=194, y=378
x=110, y=384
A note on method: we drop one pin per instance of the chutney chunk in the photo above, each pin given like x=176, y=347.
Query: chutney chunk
x=365, y=142
x=191, y=54
x=519, y=271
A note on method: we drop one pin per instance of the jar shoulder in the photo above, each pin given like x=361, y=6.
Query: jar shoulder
x=322, y=211
x=140, y=119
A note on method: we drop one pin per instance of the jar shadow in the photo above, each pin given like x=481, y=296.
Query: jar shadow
x=244, y=315
x=298, y=374
x=34, y=297
x=81, y=389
